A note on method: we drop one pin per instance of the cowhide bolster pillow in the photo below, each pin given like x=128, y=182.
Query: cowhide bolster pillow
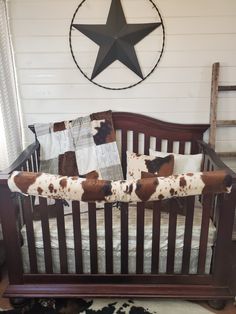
x=165, y=204
x=150, y=189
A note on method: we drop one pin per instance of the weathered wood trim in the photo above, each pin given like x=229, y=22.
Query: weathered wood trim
x=189, y=292
x=213, y=104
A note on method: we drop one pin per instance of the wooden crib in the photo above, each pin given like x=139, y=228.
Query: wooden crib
x=17, y=211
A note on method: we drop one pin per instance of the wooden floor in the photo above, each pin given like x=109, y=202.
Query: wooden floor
x=4, y=302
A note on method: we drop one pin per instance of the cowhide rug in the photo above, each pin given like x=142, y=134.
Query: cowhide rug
x=110, y=306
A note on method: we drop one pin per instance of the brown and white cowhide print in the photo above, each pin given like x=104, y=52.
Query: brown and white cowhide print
x=143, y=306
x=148, y=189
x=159, y=166
x=109, y=306
x=102, y=127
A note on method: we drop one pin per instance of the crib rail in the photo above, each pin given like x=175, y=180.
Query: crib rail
x=108, y=233
x=78, y=276
x=28, y=160
x=212, y=161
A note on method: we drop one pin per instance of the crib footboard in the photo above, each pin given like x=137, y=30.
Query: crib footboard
x=93, y=263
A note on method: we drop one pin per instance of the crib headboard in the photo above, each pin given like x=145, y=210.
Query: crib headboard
x=136, y=132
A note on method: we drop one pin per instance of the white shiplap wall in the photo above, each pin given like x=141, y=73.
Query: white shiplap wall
x=198, y=33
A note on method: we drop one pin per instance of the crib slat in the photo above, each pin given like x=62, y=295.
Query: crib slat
x=140, y=238
x=181, y=147
x=37, y=153
x=29, y=164
x=35, y=166
x=171, y=238
x=206, y=204
x=146, y=144
x=28, y=217
x=124, y=149
x=135, y=142
x=156, y=220
x=158, y=144
x=46, y=235
x=208, y=164
x=32, y=163
x=194, y=147
x=108, y=238
x=124, y=237
x=24, y=167
x=205, y=162
x=93, y=237
x=77, y=237
x=170, y=146
x=188, y=234
x=62, y=238
x=21, y=212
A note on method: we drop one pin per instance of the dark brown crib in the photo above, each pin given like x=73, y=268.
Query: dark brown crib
x=17, y=211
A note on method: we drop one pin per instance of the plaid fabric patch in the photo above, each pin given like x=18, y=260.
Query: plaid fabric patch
x=85, y=146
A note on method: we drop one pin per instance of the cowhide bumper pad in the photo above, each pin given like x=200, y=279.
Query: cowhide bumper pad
x=148, y=189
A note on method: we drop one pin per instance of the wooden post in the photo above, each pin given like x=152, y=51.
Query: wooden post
x=10, y=235
x=222, y=267
x=213, y=108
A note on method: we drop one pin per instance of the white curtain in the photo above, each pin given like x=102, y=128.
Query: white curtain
x=10, y=122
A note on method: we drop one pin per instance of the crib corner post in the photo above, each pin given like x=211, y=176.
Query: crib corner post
x=222, y=262
x=11, y=237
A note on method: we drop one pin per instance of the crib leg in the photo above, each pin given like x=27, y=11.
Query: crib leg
x=217, y=304
x=19, y=303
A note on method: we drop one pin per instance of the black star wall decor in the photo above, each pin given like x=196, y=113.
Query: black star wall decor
x=116, y=40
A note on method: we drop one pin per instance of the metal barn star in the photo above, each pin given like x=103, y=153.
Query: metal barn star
x=116, y=39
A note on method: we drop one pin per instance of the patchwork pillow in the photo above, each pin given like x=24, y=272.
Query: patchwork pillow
x=183, y=163
x=138, y=164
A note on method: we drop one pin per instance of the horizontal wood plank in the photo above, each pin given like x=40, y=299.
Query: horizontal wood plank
x=172, y=59
x=176, y=25
x=199, y=42
x=83, y=90
x=226, y=123
x=70, y=76
x=227, y=154
x=43, y=9
x=227, y=88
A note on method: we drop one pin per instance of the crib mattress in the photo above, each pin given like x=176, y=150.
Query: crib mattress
x=116, y=241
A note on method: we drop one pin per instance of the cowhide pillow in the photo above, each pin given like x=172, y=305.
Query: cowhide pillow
x=159, y=166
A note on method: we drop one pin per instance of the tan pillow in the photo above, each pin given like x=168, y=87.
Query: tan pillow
x=159, y=166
